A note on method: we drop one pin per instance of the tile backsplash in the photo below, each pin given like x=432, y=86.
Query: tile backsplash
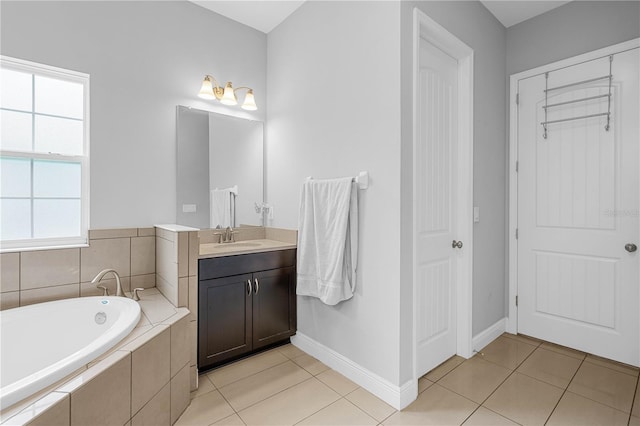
x=42, y=275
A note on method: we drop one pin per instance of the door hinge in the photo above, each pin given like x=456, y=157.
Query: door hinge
x=517, y=98
x=516, y=300
x=517, y=166
x=516, y=233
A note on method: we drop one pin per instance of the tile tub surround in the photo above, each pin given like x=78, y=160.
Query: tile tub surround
x=178, y=249
x=37, y=276
x=143, y=380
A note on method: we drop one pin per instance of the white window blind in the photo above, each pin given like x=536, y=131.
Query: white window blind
x=44, y=155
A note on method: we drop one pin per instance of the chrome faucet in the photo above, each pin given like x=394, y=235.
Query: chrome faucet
x=228, y=236
x=101, y=275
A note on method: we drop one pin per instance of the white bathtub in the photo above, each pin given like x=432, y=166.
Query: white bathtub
x=41, y=344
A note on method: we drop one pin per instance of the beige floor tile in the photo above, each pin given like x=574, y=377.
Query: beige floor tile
x=205, y=410
x=424, y=384
x=435, y=406
x=232, y=420
x=563, y=350
x=577, y=410
x=636, y=402
x=550, y=367
x=341, y=412
x=634, y=421
x=524, y=400
x=623, y=368
x=310, y=364
x=337, y=382
x=441, y=370
x=290, y=406
x=475, y=379
x=604, y=385
x=371, y=404
x=204, y=386
x=507, y=352
x=485, y=417
x=290, y=351
x=244, y=368
x=522, y=338
x=262, y=385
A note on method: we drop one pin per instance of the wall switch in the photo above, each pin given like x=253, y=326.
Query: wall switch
x=476, y=214
x=188, y=208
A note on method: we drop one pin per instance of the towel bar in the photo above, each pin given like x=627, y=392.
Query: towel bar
x=362, y=179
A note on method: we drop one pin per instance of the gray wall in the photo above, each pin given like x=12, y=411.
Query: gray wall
x=192, y=172
x=479, y=29
x=144, y=58
x=575, y=28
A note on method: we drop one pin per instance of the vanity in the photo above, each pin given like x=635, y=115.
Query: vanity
x=246, y=299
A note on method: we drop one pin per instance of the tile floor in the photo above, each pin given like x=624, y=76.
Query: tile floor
x=515, y=380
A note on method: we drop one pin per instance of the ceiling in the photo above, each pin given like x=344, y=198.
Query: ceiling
x=265, y=15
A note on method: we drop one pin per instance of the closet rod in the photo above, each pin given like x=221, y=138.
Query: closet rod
x=576, y=100
x=579, y=82
x=575, y=118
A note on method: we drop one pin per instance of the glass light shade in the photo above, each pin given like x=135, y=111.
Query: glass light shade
x=206, y=91
x=229, y=97
x=249, y=101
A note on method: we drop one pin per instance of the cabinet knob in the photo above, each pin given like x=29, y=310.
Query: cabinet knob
x=257, y=286
x=248, y=287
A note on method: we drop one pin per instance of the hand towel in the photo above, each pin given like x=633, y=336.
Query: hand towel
x=221, y=208
x=328, y=240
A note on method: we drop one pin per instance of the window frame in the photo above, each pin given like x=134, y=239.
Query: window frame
x=65, y=75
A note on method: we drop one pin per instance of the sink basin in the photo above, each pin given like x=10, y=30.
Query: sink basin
x=243, y=244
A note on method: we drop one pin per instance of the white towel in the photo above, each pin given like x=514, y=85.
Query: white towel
x=328, y=240
x=222, y=208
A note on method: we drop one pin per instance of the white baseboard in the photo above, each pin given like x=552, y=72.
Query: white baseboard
x=490, y=334
x=396, y=396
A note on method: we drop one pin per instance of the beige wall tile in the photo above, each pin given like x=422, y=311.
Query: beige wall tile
x=47, y=294
x=9, y=272
x=166, y=260
x=95, y=234
x=156, y=307
x=9, y=300
x=180, y=393
x=183, y=292
x=89, y=404
x=166, y=234
x=88, y=289
x=157, y=411
x=144, y=281
x=193, y=377
x=146, y=232
x=143, y=255
x=51, y=410
x=194, y=251
x=193, y=297
x=180, y=345
x=183, y=254
x=193, y=350
x=46, y=268
x=150, y=369
x=112, y=253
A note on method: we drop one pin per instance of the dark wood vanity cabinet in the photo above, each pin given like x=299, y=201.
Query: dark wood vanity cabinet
x=245, y=302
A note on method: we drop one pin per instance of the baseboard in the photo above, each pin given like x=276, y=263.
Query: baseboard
x=397, y=396
x=488, y=335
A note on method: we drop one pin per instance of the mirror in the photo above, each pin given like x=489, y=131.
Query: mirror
x=219, y=170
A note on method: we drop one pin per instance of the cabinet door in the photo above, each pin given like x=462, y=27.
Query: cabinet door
x=224, y=319
x=274, y=306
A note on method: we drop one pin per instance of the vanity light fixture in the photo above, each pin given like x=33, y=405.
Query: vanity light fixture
x=227, y=96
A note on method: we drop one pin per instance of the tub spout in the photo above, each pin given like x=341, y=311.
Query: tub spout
x=104, y=272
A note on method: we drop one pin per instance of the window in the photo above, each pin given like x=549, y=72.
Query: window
x=44, y=155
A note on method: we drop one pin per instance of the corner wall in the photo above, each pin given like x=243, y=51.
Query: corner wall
x=334, y=110
x=144, y=58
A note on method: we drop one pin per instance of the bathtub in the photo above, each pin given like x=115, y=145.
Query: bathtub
x=41, y=344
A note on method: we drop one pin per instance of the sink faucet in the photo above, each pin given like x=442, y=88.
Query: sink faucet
x=104, y=272
x=228, y=236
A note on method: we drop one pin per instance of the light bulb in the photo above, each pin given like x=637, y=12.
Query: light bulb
x=249, y=101
x=206, y=91
x=229, y=97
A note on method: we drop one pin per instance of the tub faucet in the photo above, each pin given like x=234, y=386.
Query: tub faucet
x=104, y=272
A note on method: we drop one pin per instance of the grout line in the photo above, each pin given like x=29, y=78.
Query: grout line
x=565, y=391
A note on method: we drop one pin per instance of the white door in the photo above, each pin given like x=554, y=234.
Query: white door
x=578, y=193
x=435, y=181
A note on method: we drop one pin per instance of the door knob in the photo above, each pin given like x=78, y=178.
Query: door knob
x=456, y=244
x=630, y=247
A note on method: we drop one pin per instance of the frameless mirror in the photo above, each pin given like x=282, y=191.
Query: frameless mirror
x=219, y=173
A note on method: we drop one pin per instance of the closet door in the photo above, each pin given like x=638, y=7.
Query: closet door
x=578, y=220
